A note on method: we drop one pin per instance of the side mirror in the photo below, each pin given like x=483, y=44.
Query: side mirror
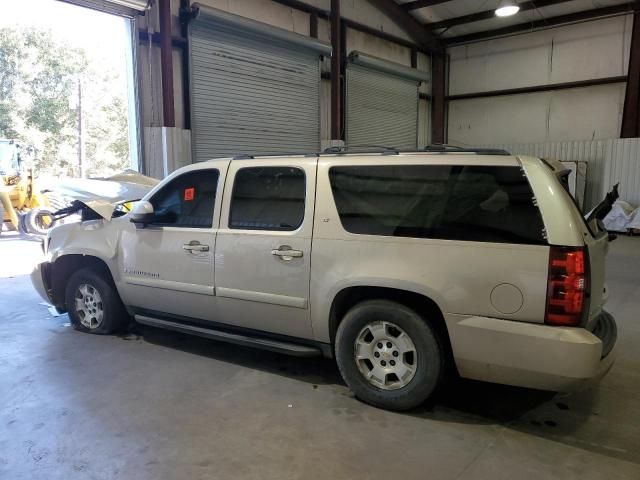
x=142, y=213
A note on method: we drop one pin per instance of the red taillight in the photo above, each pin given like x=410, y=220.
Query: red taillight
x=566, y=286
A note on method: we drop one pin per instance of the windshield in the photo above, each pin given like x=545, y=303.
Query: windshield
x=8, y=160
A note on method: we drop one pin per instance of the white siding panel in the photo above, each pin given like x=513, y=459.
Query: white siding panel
x=588, y=113
x=576, y=52
x=511, y=62
x=516, y=119
x=589, y=50
x=378, y=47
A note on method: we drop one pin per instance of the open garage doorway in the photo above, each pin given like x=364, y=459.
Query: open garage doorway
x=67, y=87
x=68, y=109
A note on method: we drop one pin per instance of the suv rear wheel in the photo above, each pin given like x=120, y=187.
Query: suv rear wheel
x=388, y=354
x=93, y=303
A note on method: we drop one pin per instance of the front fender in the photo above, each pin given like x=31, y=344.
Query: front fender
x=96, y=238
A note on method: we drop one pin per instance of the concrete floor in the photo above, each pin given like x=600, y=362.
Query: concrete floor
x=158, y=405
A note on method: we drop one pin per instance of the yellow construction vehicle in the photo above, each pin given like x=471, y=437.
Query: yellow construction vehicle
x=22, y=206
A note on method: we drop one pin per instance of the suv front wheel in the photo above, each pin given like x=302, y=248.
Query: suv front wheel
x=388, y=355
x=93, y=303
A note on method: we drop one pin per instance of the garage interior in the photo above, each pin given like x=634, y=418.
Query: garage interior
x=560, y=79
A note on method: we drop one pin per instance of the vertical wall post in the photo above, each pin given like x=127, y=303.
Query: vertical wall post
x=336, y=62
x=186, y=94
x=631, y=113
x=414, y=58
x=438, y=98
x=166, y=63
x=313, y=25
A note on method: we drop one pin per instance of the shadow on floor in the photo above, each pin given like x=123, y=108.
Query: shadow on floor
x=459, y=400
x=571, y=420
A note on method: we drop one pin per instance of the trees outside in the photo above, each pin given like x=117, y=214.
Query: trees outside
x=61, y=102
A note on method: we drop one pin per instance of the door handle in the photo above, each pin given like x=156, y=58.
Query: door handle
x=285, y=252
x=195, y=246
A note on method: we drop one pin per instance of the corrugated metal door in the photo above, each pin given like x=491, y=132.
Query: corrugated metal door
x=382, y=109
x=126, y=8
x=251, y=94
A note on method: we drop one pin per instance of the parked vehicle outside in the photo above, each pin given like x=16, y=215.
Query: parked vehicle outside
x=403, y=266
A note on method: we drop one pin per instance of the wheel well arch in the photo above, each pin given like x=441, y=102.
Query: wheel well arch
x=65, y=266
x=425, y=306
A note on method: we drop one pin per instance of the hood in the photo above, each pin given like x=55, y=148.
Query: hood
x=125, y=186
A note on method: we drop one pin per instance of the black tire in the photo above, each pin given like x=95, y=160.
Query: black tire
x=113, y=318
x=429, y=364
x=34, y=223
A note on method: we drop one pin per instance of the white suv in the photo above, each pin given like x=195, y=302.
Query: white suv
x=399, y=264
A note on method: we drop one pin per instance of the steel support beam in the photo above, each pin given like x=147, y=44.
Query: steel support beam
x=336, y=63
x=540, y=88
x=527, y=27
x=313, y=25
x=488, y=14
x=166, y=64
x=324, y=14
x=416, y=30
x=438, y=98
x=631, y=113
x=421, y=4
x=176, y=42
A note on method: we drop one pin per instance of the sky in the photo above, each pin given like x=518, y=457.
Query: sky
x=104, y=36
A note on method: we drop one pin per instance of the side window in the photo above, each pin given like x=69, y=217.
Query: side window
x=187, y=201
x=483, y=204
x=268, y=198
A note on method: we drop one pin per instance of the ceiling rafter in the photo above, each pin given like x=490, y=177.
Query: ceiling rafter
x=488, y=14
x=416, y=30
x=416, y=4
x=575, y=17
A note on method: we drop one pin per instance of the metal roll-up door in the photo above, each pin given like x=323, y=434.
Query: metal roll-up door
x=254, y=88
x=124, y=8
x=381, y=103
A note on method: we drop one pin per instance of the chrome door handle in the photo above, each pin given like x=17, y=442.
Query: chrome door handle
x=285, y=252
x=195, y=246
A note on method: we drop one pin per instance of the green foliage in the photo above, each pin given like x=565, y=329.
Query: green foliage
x=40, y=81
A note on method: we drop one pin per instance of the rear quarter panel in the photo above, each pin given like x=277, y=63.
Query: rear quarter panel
x=459, y=276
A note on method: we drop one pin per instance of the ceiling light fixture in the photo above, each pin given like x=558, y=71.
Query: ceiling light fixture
x=507, y=8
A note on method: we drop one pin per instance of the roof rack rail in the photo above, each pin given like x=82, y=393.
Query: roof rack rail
x=456, y=149
x=382, y=149
x=362, y=149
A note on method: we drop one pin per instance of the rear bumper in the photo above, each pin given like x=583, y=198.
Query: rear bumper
x=531, y=355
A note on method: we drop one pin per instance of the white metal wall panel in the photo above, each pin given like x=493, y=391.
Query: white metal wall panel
x=251, y=94
x=572, y=114
x=610, y=161
x=575, y=52
x=382, y=109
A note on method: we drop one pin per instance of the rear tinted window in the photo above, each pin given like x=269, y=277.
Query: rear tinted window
x=268, y=198
x=476, y=203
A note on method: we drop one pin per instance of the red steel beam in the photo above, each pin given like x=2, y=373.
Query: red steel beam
x=584, y=16
x=421, y=4
x=631, y=112
x=438, y=98
x=166, y=64
x=416, y=30
x=336, y=62
x=488, y=14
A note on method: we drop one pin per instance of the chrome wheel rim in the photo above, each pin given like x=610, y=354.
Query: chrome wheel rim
x=89, y=306
x=386, y=356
